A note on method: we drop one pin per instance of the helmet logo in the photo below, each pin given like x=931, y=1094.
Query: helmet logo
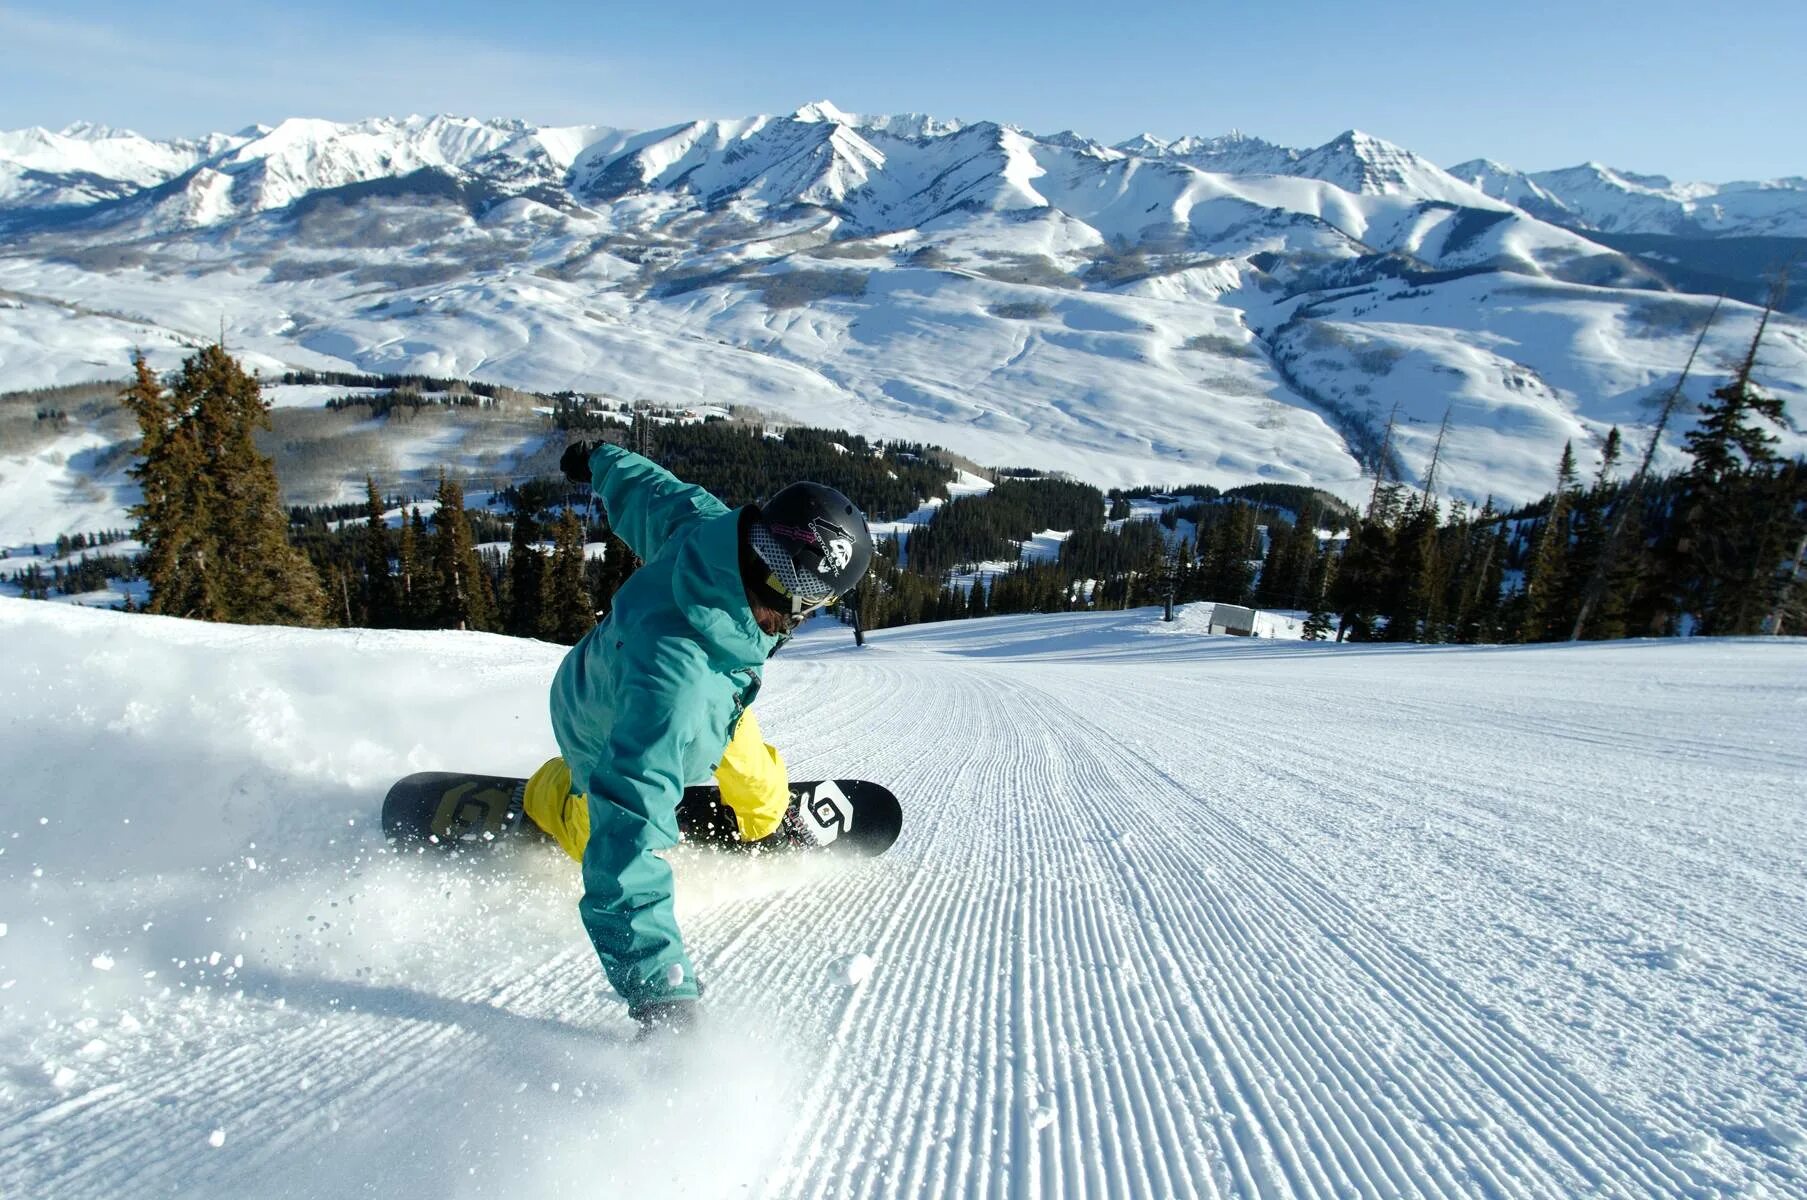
x=832, y=542
x=837, y=551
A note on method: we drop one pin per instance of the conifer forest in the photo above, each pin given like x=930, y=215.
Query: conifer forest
x=1614, y=550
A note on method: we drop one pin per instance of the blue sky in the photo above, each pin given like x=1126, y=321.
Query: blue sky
x=1693, y=91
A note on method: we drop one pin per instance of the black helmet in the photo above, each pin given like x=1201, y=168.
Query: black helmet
x=812, y=546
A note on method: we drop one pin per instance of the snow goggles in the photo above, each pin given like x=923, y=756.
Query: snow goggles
x=802, y=591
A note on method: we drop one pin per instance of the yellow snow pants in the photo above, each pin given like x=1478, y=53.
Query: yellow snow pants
x=751, y=774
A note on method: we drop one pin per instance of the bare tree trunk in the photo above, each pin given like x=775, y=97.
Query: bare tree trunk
x=1596, y=583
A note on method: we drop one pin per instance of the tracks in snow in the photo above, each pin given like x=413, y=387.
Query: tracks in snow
x=1099, y=984
x=1095, y=979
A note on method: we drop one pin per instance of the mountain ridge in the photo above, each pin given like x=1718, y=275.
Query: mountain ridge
x=1133, y=316
x=1234, y=152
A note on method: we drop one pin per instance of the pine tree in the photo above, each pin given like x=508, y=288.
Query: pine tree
x=414, y=587
x=1303, y=556
x=379, y=585
x=1186, y=579
x=1595, y=515
x=1362, y=582
x=168, y=524
x=1465, y=593
x=1417, y=575
x=459, y=581
x=1728, y=548
x=526, y=577
x=569, y=613
x=1224, y=554
x=1543, y=614
x=1609, y=457
x=1621, y=554
x=1318, y=622
x=263, y=580
x=1277, y=569
x=214, y=511
x=1788, y=515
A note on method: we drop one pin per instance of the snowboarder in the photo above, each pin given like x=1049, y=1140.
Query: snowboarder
x=658, y=696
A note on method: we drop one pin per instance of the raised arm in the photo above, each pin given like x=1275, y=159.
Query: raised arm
x=646, y=503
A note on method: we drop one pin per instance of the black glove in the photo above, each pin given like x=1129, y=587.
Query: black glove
x=666, y=1016
x=575, y=461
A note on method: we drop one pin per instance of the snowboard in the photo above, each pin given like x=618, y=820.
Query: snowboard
x=848, y=817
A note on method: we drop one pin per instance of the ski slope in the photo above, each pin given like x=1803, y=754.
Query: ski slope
x=1172, y=915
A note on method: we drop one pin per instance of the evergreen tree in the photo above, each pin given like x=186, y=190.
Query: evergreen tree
x=569, y=613
x=1318, y=622
x=414, y=580
x=1362, y=581
x=340, y=608
x=263, y=579
x=1543, y=614
x=1623, y=558
x=1609, y=458
x=1186, y=579
x=379, y=585
x=1224, y=556
x=1272, y=591
x=1303, y=558
x=227, y=555
x=526, y=577
x=1415, y=575
x=1788, y=516
x=1590, y=575
x=1618, y=571
x=168, y=524
x=1732, y=529
x=459, y=582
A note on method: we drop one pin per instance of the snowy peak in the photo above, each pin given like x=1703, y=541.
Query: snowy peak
x=812, y=158
x=914, y=126
x=1069, y=139
x=1594, y=196
x=84, y=164
x=276, y=165
x=1366, y=165
x=1357, y=162
x=878, y=173
x=1513, y=187
x=820, y=154
x=1233, y=153
x=823, y=110
x=88, y=131
x=302, y=155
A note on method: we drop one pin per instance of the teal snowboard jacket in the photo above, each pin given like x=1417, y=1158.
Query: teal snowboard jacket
x=645, y=704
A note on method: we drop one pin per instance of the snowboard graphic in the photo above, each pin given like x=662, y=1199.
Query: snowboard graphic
x=851, y=817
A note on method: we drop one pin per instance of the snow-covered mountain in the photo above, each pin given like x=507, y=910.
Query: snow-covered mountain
x=1354, y=161
x=1593, y=196
x=84, y=164
x=1214, y=310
